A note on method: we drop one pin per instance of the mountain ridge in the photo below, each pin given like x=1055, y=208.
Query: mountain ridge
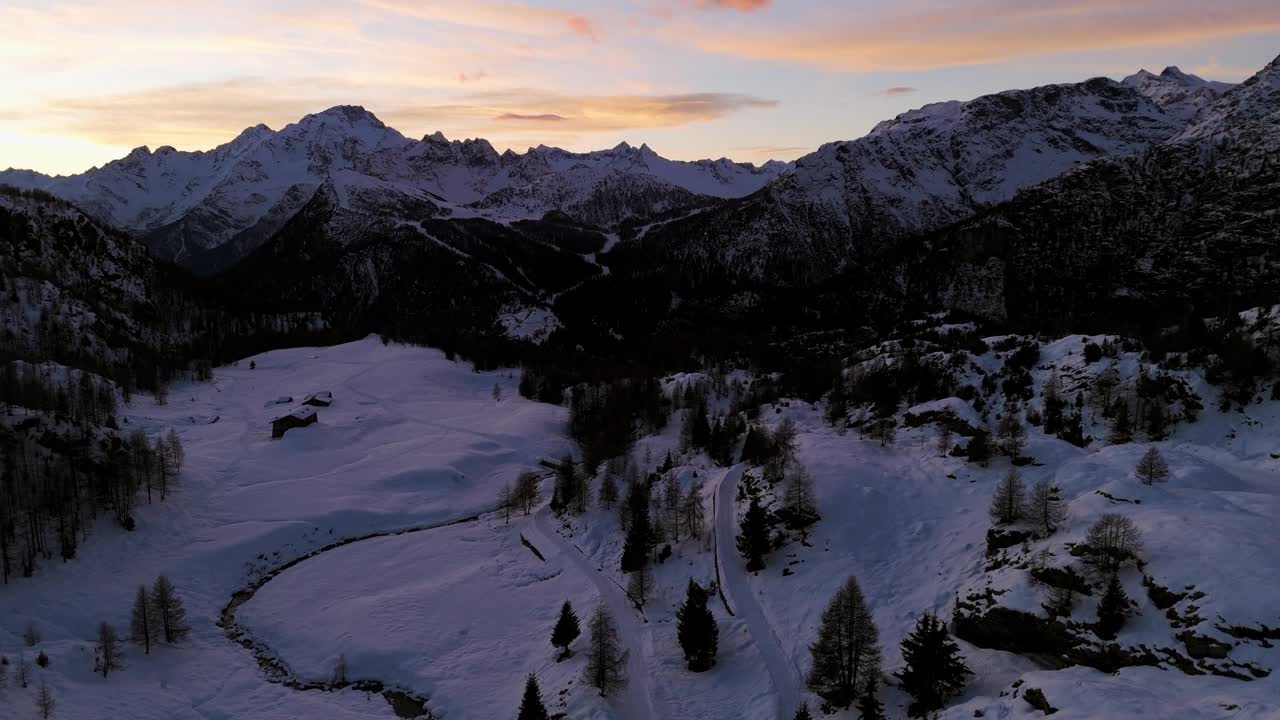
x=189, y=203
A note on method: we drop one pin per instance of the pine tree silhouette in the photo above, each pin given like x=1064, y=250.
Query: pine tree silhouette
x=753, y=540
x=531, y=707
x=1113, y=608
x=935, y=670
x=696, y=629
x=565, y=631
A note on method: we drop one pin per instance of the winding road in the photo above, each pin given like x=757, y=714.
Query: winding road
x=636, y=701
x=736, y=586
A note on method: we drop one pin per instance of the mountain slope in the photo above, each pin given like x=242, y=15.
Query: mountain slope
x=1189, y=224
x=922, y=170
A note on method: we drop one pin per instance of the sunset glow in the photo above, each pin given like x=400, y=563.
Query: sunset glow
x=84, y=82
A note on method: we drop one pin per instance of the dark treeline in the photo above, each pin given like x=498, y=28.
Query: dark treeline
x=62, y=464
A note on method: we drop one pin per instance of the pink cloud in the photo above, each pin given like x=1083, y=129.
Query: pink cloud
x=901, y=90
x=931, y=35
x=580, y=25
x=545, y=117
x=742, y=6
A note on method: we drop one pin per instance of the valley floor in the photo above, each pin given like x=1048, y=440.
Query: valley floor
x=462, y=613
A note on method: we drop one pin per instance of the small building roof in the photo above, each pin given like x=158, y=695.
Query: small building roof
x=301, y=413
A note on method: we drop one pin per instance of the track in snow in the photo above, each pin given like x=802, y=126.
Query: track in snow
x=746, y=606
x=636, y=701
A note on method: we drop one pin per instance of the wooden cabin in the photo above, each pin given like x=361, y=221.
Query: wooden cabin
x=301, y=417
x=319, y=399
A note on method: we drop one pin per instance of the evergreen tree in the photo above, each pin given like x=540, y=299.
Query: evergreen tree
x=1122, y=423
x=531, y=707
x=566, y=630
x=847, y=651
x=700, y=432
x=1073, y=429
x=935, y=671
x=696, y=629
x=167, y=610
x=869, y=705
x=143, y=630
x=606, y=660
x=1013, y=436
x=1157, y=419
x=671, y=497
x=1053, y=405
x=566, y=487
x=23, y=672
x=1009, y=502
x=107, y=654
x=608, y=491
x=979, y=449
x=1113, y=608
x=802, y=713
x=635, y=549
x=1046, y=507
x=640, y=586
x=757, y=446
x=753, y=538
x=1152, y=468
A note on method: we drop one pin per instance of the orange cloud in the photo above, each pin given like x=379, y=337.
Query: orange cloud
x=579, y=25
x=900, y=90
x=991, y=31
x=502, y=17
x=742, y=6
x=545, y=117
x=199, y=116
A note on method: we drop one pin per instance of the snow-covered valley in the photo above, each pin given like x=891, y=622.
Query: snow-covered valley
x=460, y=614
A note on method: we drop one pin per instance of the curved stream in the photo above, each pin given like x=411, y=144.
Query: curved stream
x=404, y=703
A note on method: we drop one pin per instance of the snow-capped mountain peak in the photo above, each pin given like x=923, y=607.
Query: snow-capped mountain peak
x=189, y=203
x=1176, y=92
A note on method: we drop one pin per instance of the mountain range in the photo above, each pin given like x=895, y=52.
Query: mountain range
x=189, y=205
x=1149, y=191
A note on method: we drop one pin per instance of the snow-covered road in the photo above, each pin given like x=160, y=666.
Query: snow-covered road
x=736, y=585
x=636, y=701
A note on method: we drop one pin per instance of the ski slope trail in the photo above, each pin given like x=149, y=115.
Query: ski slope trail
x=736, y=585
x=636, y=702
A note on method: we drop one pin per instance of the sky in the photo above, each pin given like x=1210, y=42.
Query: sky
x=82, y=82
